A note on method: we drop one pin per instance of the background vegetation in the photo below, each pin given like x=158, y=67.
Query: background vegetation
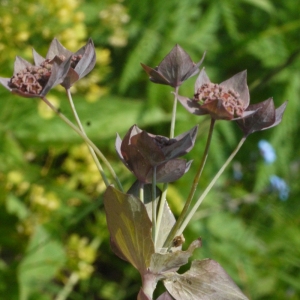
x=54, y=243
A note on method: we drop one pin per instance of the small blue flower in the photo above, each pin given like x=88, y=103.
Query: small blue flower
x=267, y=151
x=280, y=186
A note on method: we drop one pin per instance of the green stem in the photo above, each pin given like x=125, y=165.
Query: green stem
x=172, y=129
x=86, y=139
x=187, y=204
x=69, y=286
x=154, y=205
x=163, y=199
x=99, y=167
x=142, y=192
x=199, y=201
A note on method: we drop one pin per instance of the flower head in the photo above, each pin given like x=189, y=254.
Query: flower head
x=82, y=61
x=265, y=116
x=36, y=81
x=174, y=69
x=226, y=101
x=141, y=152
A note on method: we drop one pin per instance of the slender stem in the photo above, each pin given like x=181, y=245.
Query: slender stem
x=69, y=286
x=199, y=201
x=142, y=192
x=163, y=199
x=86, y=139
x=99, y=167
x=154, y=205
x=172, y=129
x=187, y=204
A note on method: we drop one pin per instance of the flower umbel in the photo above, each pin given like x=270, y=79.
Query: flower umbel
x=36, y=81
x=174, y=69
x=226, y=101
x=265, y=116
x=82, y=61
x=141, y=152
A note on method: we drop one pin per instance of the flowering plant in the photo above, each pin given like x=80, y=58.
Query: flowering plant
x=143, y=230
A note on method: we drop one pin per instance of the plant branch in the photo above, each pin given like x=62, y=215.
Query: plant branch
x=187, y=204
x=99, y=167
x=206, y=191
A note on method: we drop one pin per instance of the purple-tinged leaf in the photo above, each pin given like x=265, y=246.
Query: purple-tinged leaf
x=20, y=64
x=206, y=280
x=129, y=227
x=238, y=83
x=265, y=116
x=56, y=48
x=165, y=296
x=174, y=69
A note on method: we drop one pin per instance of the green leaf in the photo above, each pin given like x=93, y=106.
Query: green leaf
x=205, y=280
x=43, y=259
x=161, y=263
x=130, y=228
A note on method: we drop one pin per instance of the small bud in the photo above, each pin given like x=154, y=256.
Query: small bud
x=141, y=152
x=174, y=69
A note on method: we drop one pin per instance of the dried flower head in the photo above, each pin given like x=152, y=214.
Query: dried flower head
x=82, y=62
x=265, y=116
x=174, y=69
x=141, y=152
x=36, y=81
x=226, y=101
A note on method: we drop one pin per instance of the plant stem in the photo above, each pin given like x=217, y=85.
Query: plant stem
x=163, y=197
x=68, y=288
x=99, y=167
x=142, y=192
x=199, y=201
x=172, y=129
x=86, y=139
x=154, y=204
x=187, y=204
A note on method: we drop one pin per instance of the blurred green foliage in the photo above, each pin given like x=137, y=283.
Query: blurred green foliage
x=54, y=242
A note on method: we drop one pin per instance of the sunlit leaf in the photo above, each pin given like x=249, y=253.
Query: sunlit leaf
x=206, y=280
x=130, y=227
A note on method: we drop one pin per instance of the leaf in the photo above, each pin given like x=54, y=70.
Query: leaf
x=206, y=280
x=43, y=259
x=130, y=228
x=165, y=296
x=168, y=219
x=167, y=262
